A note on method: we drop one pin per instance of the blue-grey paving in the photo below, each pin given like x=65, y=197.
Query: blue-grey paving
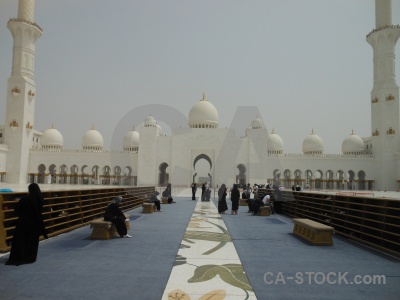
x=280, y=265
x=73, y=266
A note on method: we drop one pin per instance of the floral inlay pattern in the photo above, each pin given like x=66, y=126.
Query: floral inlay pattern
x=207, y=265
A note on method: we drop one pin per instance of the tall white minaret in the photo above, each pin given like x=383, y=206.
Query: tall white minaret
x=21, y=93
x=385, y=113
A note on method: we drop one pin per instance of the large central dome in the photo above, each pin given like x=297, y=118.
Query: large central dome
x=203, y=115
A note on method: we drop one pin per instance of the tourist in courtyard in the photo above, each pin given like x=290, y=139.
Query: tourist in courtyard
x=115, y=215
x=194, y=189
x=268, y=202
x=154, y=199
x=207, y=192
x=28, y=228
x=167, y=193
x=222, y=206
x=235, y=196
x=244, y=195
x=256, y=204
x=203, y=189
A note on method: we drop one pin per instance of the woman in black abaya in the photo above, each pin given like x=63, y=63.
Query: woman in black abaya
x=235, y=196
x=28, y=228
x=222, y=206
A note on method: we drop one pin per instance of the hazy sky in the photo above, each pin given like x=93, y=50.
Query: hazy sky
x=304, y=64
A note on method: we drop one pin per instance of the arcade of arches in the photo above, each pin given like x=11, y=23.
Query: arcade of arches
x=202, y=166
x=320, y=180
x=83, y=175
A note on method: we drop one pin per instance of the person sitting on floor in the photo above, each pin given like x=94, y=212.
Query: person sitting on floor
x=167, y=194
x=154, y=199
x=115, y=215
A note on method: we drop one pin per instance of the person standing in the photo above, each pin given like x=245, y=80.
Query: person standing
x=194, y=189
x=222, y=206
x=28, y=228
x=207, y=192
x=115, y=215
x=203, y=189
x=235, y=196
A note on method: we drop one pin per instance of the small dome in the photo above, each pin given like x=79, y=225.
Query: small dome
x=92, y=140
x=203, y=114
x=150, y=121
x=313, y=144
x=131, y=141
x=257, y=123
x=51, y=139
x=353, y=144
x=275, y=143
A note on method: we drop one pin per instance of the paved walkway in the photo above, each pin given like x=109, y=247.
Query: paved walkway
x=248, y=257
x=207, y=264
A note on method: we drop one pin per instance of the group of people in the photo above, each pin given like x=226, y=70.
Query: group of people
x=254, y=204
x=235, y=197
x=30, y=225
x=167, y=193
x=115, y=215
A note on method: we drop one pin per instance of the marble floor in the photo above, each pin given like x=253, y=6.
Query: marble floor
x=207, y=264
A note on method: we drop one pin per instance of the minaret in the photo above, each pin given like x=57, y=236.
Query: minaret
x=385, y=114
x=21, y=92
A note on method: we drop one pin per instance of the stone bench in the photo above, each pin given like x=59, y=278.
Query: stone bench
x=104, y=230
x=314, y=232
x=164, y=200
x=242, y=202
x=264, y=211
x=148, y=207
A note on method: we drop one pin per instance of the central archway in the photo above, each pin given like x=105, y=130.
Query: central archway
x=202, y=166
x=241, y=177
x=163, y=176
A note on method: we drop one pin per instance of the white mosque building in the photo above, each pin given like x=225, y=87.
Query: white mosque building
x=147, y=156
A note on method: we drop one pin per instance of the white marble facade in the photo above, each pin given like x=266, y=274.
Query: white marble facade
x=149, y=157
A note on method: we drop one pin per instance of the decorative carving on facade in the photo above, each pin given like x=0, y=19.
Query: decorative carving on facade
x=15, y=91
x=375, y=133
x=390, y=131
x=375, y=100
x=31, y=95
x=390, y=97
x=14, y=124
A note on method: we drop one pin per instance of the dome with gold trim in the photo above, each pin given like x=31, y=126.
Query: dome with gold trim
x=313, y=145
x=131, y=141
x=353, y=144
x=275, y=143
x=92, y=140
x=203, y=114
x=52, y=139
